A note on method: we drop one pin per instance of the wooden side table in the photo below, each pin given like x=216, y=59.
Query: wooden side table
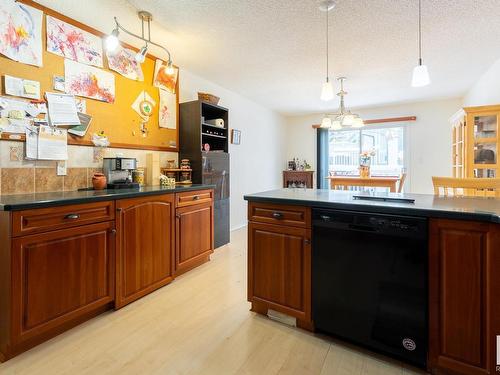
x=298, y=179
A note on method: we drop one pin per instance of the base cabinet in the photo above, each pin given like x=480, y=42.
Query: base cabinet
x=57, y=278
x=464, y=297
x=279, y=269
x=145, y=242
x=194, y=236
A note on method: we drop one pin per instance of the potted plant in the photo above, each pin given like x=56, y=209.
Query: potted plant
x=365, y=161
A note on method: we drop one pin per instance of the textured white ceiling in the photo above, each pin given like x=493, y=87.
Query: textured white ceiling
x=273, y=51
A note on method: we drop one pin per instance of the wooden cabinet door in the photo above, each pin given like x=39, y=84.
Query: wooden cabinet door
x=59, y=277
x=144, y=246
x=464, y=297
x=194, y=236
x=279, y=268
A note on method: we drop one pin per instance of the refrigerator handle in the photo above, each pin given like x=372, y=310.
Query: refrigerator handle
x=223, y=184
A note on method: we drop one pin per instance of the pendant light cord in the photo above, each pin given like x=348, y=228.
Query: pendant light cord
x=420, y=32
x=327, y=77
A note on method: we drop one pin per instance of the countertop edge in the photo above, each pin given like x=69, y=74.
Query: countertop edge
x=430, y=213
x=100, y=198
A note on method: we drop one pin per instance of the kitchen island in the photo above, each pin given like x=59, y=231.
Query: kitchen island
x=461, y=253
x=66, y=257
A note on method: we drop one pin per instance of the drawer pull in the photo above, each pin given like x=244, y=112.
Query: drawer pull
x=278, y=215
x=196, y=197
x=72, y=216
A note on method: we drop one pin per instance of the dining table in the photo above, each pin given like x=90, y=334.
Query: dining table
x=342, y=182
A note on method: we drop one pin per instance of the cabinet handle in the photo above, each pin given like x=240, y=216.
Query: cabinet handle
x=277, y=215
x=72, y=216
x=307, y=241
x=178, y=216
x=119, y=209
x=113, y=231
x=196, y=197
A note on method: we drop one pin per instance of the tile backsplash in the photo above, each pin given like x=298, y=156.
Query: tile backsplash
x=19, y=176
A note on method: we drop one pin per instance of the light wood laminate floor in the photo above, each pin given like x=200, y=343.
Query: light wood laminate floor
x=199, y=324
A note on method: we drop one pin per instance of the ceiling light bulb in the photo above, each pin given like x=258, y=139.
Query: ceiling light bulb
x=336, y=125
x=327, y=91
x=348, y=120
x=358, y=123
x=420, y=76
x=326, y=122
x=141, y=55
x=170, y=70
x=112, y=41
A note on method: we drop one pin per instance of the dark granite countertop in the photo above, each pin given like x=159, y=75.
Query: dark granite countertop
x=38, y=200
x=463, y=208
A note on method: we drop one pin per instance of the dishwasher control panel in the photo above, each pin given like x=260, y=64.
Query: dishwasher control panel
x=407, y=226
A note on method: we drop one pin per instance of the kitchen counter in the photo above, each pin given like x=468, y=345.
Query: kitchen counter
x=362, y=279
x=463, y=208
x=38, y=200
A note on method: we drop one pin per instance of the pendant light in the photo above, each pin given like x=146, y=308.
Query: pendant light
x=327, y=89
x=420, y=73
x=343, y=117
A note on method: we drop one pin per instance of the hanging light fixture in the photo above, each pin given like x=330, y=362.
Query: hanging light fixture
x=327, y=89
x=112, y=41
x=420, y=73
x=343, y=117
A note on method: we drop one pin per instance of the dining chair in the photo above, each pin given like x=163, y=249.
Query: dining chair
x=469, y=187
x=402, y=180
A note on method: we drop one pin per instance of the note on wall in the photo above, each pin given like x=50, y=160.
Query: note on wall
x=162, y=79
x=167, y=114
x=123, y=61
x=52, y=143
x=73, y=43
x=21, y=32
x=62, y=109
x=24, y=88
x=85, y=80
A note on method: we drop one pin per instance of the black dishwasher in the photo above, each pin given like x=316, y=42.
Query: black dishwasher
x=369, y=281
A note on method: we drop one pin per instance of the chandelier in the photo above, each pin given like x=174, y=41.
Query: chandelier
x=343, y=117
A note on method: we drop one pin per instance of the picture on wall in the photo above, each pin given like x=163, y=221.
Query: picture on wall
x=235, y=136
x=162, y=79
x=73, y=43
x=90, y=82
x=124, y=63
x=168, y=110
x=21, y=32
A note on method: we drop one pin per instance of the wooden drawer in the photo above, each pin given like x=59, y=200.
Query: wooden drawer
x=296, y=216
x=51, y=218
x=190, y=198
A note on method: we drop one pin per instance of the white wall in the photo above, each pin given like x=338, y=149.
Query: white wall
x=429, y=138
x=486, y=91
x=257, y=163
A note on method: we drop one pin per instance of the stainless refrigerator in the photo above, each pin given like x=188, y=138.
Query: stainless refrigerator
x=215, y=171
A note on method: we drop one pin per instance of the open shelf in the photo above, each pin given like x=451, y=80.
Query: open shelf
x=213, y=126
x=213, y=135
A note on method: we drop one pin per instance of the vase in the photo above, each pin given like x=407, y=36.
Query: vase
x=364, y=171
x=99, y=181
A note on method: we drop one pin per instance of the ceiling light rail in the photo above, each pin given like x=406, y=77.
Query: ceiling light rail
x=112, y=40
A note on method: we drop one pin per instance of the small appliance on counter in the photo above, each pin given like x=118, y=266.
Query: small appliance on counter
x=118, y=172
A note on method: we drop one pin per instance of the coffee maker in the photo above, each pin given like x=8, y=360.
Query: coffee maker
x=118, y=172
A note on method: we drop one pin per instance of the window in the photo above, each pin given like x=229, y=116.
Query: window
x=345, y=147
